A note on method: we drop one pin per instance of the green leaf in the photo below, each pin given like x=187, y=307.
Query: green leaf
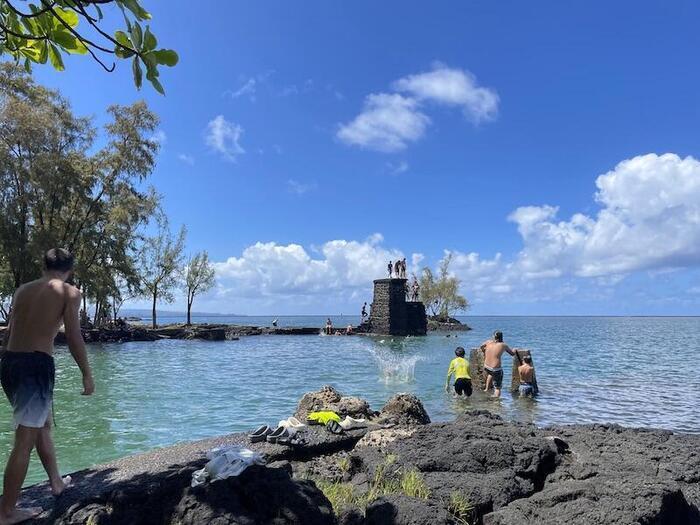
x=166, y=57
x=32, y=53
x=69, y=43
x=149, y=40
x=27, y=65
x=56, y=60
x=137, y=35
x=123, y=39
x=157, y=85
x=138, y=72
x=69, y=17
x=135, y=7
x=44, y=52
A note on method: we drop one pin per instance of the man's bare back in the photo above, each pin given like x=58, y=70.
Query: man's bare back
x=493, y=352
x=39, y=309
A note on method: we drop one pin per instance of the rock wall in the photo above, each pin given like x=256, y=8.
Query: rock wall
x=391, y=314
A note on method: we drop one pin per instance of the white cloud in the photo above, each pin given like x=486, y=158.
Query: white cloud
x=397, y=168
x=649, y=221
x=248, y=88
x=187, y=159
x=160, y=137
x=387, y=123
x=452, y=87
x=270, y=269
x=223, y=137
x=300, y=188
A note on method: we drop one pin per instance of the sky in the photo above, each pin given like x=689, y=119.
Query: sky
x=552, y=148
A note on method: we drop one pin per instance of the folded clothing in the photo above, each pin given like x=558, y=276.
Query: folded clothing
x=323, y=417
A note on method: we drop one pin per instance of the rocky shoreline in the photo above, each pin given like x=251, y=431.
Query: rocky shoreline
x=403, y=469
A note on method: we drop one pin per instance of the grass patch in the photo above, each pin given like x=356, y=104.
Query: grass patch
x=385, y=482
x=413, y=485
x=460, y=508
x=344, y=464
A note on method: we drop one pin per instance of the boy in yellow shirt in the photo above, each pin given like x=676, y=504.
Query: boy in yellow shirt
x=459, y=366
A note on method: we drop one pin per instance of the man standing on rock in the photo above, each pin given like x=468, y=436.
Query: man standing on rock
x=27, y=372
x=390, y=267
x=493, y=351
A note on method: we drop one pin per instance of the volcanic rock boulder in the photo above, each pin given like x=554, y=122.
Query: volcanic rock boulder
x=404, y=409
x=328, y=398
x=259, y=495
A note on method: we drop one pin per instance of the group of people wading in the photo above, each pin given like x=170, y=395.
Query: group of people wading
x=493, y=350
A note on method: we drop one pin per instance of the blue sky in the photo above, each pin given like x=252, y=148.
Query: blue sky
x=307, y=142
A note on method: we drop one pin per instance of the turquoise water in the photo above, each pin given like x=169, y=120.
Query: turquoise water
x=632, y=371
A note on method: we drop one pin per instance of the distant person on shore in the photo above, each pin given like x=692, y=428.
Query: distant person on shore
x=28, y=373
x=329, y=326
x=364, y=311
x=403, y=268
x=493, y=351
x=459, y=367
x=527, y=373
x=390, y=267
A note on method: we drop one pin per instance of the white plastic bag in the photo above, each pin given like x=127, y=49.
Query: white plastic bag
x=226, y=462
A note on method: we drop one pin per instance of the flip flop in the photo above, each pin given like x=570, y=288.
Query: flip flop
x=334, y=428
x=260, y=434
x=279, y=432
x=350, y=422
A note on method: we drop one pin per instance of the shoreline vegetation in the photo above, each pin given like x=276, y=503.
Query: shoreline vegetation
x=402, y=469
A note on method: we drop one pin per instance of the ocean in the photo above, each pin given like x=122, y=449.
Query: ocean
x=634, y=371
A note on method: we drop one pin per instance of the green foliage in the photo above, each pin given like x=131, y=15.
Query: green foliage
x=385, y=482
x=34, y=33
x=460, y=508
x=344, y=464
x=58, y=188
x=441, y=296
x=198, y=276
x=160, y=260
x=413, y=485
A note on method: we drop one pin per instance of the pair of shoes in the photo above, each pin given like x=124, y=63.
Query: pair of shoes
x=280, y=433
x=350, y=422
x=292, y=422
x=260, y=434
x=334, y=427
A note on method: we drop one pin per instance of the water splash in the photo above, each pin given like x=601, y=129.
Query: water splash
x=395, y=367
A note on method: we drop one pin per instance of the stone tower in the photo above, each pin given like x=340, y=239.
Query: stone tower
x=392, y=314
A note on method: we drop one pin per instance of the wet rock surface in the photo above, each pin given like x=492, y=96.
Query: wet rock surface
x=477, y=469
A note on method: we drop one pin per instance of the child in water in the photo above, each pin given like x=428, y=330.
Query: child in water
x=459, y=366
x=526, y=372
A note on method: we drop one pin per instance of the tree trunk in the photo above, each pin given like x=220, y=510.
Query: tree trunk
x=153, y=313
x=189, y=313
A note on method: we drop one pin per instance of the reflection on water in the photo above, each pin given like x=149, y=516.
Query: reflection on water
x=632, y=371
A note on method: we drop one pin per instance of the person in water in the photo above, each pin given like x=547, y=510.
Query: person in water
x=459, y=367
x=493, y=351
x=527, y=373
x=27, y=374
x=329, y=326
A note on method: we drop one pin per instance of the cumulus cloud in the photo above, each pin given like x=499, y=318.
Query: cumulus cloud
x=223, y=137
x=649, y=220
x=271, y=269
x=390, y=121
x=387, y=123
x=452, y=87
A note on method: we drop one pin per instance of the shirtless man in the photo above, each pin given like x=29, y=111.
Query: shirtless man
x=493, y=351
x=27, y=373
x=527, y=373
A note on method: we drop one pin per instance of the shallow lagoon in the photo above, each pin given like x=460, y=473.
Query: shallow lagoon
x=633, y=371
